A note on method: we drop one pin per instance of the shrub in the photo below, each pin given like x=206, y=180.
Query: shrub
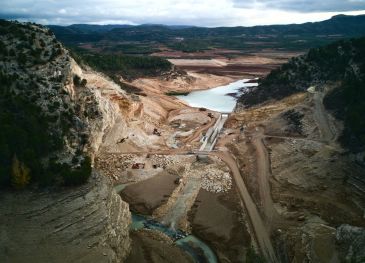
x=76, y=80
x=83, y=83
x=78, y=176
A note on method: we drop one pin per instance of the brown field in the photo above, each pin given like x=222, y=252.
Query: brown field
x=228, y=62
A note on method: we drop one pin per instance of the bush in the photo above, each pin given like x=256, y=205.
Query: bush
x=83, y=83
x=78, y=176
x=130, y=67
x=25, y=133
x=76, y=80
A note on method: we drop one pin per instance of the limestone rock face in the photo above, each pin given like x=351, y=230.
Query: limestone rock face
x=89, y=223
x=85, y=224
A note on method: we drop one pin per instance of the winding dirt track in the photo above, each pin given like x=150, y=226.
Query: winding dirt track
x=321, y=117
x=263, y=175
x=293, y=138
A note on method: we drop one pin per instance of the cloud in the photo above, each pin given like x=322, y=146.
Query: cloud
x=304, y=5
x=62, y=11
x=172, y=12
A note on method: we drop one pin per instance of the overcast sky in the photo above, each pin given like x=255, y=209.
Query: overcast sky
x=178, y=12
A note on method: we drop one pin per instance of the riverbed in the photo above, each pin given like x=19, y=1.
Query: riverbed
x=221, y=99
x=197, y=249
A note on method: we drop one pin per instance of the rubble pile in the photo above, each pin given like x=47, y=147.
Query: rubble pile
x=216, y=181
x=164, y=161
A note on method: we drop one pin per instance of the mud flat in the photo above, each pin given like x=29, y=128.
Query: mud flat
x=144, y=197
x=224, y=62
x=219, y=220
x=195, y=249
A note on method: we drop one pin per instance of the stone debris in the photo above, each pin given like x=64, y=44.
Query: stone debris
x=115, y=166
x=214, y=177
x=216, y=181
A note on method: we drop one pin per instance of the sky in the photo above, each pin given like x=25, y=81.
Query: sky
x=209, y=13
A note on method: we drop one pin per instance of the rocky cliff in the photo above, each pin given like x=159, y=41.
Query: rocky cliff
x=85, y=224
x=53, y=122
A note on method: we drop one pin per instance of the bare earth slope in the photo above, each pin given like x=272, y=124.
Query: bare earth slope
x=300, y=186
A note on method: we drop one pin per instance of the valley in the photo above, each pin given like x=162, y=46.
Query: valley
x=246, y=182
x=215, y=155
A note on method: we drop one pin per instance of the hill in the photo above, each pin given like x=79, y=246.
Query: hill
x=340, y=65
x=125, y=66
x=50, y=123
x=43, y=133
x=291, y=37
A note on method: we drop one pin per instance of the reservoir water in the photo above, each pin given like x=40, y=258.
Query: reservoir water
x=220, y=98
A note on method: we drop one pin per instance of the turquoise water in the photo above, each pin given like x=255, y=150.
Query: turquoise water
x=200, y=252
x=217, y=99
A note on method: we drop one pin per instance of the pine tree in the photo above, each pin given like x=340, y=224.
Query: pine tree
x=20, y=177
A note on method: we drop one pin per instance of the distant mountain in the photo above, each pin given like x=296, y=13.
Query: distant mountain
x=341, y=25
x=167, y=26
x=87, y=28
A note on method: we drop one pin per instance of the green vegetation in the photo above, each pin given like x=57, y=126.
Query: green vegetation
x=177, y=93
x=130, y=49
x=33, y=120
x=348, y=100
x=24, y=133
x=341, y=62
x=26, y=137
x=129, y=67
x=76, y=176
x=294, y=120
x=191, y=45
x=145, y=39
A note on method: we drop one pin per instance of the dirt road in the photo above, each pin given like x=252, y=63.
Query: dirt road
x=257, y=223
x=320, y=114
x=263, y=175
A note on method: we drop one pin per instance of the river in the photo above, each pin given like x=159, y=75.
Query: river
x=221, y=99
x=197, y=249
